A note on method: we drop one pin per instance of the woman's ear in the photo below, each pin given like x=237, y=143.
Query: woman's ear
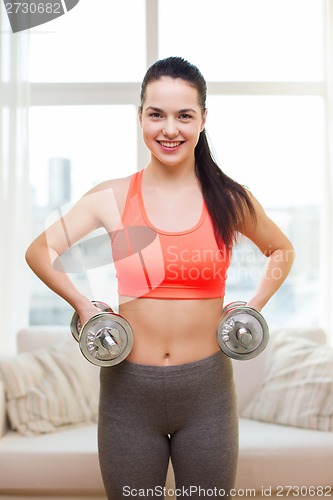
x=204, y=117
x=140, y=115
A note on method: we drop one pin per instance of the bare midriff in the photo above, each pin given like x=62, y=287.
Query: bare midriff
x=172, y=332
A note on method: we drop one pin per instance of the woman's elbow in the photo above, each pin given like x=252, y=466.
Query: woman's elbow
x=290, y=253
x=30, y=254
x=35, y=251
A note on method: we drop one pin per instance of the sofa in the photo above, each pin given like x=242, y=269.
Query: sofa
x=285, y=399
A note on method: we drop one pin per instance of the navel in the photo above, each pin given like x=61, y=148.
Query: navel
x=167, y=358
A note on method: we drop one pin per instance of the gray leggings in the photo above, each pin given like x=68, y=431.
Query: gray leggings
x=150, y=413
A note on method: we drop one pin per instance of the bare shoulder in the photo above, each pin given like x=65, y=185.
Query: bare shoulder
x=108, y=198
x=118, y=186
x=111, y=188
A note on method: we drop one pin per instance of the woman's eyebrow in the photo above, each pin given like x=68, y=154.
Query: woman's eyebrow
x=187, y=110
x=159, y=110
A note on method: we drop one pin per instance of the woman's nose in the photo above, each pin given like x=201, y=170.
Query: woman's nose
x=170, y=130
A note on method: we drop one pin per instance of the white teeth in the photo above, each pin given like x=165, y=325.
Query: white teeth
x=170, y=144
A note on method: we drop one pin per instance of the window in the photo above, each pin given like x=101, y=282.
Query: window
x=266, y=121
x=274, y=144
x=72, y=149
x=101, y=41
x=93, y=140
x=242, y=41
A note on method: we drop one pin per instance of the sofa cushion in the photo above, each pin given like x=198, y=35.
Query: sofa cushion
x=34, y=337
x=60, y=463
x=49, y=389
x=297, y=387
x=252, y=370
x=272, y=455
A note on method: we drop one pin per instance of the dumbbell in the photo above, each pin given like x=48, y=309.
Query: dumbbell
x=242, y=331
x=106, y=339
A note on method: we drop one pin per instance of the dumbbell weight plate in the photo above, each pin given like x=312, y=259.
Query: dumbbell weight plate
x=75, y=325
x=92, y=350
x=242, y=317
x=232, y=306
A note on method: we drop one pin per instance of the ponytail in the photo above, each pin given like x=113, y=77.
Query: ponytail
x=226, y=200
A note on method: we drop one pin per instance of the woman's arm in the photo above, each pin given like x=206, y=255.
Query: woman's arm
x=275, y=246
x=88, y=214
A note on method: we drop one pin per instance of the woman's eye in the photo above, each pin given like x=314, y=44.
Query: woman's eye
x=185, y=116
x=155, y=115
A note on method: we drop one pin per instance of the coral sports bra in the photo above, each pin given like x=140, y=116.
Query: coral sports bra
x=151, y=263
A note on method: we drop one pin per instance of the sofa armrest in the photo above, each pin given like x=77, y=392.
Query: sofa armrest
x=2, y=410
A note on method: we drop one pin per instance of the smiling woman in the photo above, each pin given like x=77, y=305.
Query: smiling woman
x=190, y=204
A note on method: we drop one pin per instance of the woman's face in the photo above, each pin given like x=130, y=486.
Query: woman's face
x=171, y=120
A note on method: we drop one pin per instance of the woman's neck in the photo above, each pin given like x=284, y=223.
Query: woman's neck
x=159, y=172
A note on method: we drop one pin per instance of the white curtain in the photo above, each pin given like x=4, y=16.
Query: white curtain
x=14, y=182
x=327, y=231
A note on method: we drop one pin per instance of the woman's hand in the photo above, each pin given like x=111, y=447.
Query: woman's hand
x=87, y=312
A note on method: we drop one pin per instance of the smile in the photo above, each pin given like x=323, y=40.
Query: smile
x=170, y=145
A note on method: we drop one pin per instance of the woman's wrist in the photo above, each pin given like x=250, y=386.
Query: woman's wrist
x=82, y=304
x=256, y=303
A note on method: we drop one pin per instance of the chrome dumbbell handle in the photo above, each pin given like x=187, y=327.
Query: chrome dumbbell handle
x=108, y=338
x=242, y=331
x=244, y=335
